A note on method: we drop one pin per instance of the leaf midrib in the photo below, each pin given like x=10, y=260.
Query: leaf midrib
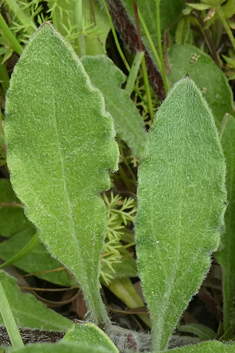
x=67, y=199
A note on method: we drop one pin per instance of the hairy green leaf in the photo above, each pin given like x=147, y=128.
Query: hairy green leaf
x=12, y=218
x=226, y=254
x=127, y=120
x=205, y=347
x=61, y=347
x=28, y=312
x=60, y=147
x=181, y=198
x=188, y=59
x=38, y=261
x=203, y=332
x=90, y=334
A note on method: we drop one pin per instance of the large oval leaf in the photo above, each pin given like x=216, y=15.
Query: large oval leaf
x=60, y=146
x=181, y=197
x=187, y=59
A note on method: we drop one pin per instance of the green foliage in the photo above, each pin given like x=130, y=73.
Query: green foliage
x=180, y=206
x=127, y=121
x=208, y=347
x=203, y=332
x=27, y=311
x=226, y=254
x=201, y=68
x=169, y=12
x=38, y=261
x=61, y=145
x=116, y=262
x=27, y=249
x=120, y=214
x=96, y=36
x=125, y=267
x=12, y=218
x=124, y=289
x=60, y=201
x=182, y=31
x=8, y=318
x=62, y=347
x=83, y=25
x=89, y=334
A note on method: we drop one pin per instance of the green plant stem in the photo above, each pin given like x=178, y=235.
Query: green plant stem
x=124, y=290
x=129, y=245
x=126, y=163
x=22, y=17
x=147, y=88
x=9, y=320
x=130, y=85
x=148, y=36
x=228, y=305
x=78, y=15
x=115, y=36
x=4, y=77
x=225, y=24
x=207, y=37
x=159, y=38
x=6, y=32
x=124, y=178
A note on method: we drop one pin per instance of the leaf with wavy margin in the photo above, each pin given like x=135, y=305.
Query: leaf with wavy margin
x=127, y=120
x=60, y=147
